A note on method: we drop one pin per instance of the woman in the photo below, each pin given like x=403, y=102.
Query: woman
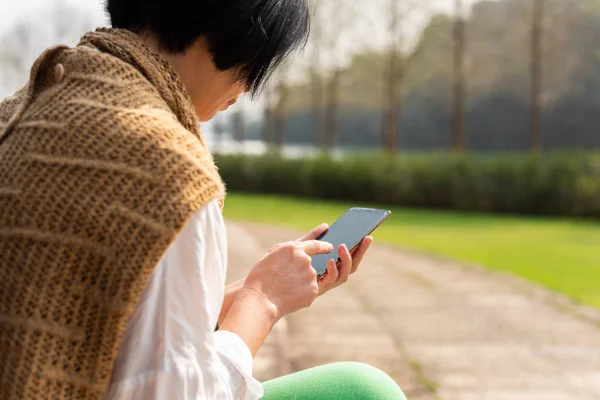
x=112, y=242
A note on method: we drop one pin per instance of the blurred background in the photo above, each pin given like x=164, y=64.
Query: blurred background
x=476, y=123
x=417, y=75
x=404, y=75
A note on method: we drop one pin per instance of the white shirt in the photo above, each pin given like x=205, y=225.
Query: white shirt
x=169, y=349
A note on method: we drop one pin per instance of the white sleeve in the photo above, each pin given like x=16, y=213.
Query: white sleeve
x=169, y=349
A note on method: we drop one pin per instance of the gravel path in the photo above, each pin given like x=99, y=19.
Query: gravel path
x=442, y=330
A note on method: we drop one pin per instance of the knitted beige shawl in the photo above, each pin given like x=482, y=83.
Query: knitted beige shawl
x=101, y=164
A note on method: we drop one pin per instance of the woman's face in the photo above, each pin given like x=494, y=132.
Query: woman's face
x=211, y=90
x=217, y=94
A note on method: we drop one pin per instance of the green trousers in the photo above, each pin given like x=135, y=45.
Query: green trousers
x=343, y=381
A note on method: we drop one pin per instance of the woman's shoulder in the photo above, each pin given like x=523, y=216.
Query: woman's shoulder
x=103, y=109
x=117, y=106
x=111, y=80
x=111, y=98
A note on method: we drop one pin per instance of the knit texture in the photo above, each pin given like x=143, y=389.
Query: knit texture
x=101, y=164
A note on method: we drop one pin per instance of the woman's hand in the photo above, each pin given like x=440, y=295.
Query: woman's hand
x=285, y=278
x=284, y=281
x=338, y=273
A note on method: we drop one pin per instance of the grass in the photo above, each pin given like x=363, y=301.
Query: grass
x=427, y=383
x=561, y=254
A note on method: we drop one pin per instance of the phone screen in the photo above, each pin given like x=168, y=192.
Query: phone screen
x=350, y=229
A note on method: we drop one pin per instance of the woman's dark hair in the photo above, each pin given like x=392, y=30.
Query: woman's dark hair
x=253, y=36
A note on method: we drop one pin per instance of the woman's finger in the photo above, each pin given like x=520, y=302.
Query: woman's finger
x=329, y=278
x=345, y=264
x=314, y=247
x=315, y=233
x=360, y=253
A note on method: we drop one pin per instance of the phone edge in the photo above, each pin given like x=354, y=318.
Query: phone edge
x=368, y=232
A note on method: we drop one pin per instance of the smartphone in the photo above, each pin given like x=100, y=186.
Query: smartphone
x=352, y=227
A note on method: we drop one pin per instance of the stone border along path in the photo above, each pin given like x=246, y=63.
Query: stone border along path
x=440, y=329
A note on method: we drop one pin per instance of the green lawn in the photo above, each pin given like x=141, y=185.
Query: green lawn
x=561, y=254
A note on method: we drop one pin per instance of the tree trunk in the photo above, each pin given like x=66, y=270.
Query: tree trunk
x=267, y=124
x=317, y=107
x=279, y=120
x=458, y=114
x=239, y=126
x=390, y=128
x=536, y=74
x=317, y=87
x=218, y=129
x=392, y=78
x=331, y=114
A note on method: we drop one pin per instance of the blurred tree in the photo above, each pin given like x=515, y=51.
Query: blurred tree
x=219, y=129
x=334, y=35
x=458, y=114
x=399, y=57
x=497, y=70
x=393, y=74
x=239, y=125
x=55, y=22
x=332, y=108
x=344, y=17
x=316, y=79
x=267, y=123
x=537, y=33
x=280, y=115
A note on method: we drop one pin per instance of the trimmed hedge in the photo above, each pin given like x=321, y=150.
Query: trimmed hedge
x=551, y=184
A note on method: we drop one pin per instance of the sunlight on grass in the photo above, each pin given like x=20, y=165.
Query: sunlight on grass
x=561, y=254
